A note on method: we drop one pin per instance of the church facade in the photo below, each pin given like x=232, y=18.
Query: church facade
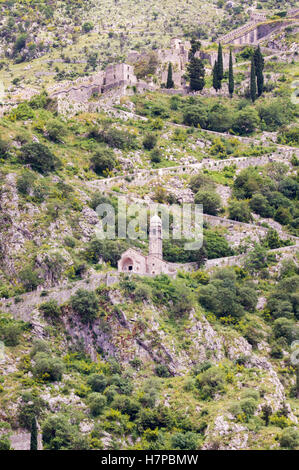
x=134, y=262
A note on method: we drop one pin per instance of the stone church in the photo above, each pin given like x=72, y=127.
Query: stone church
x=134, y=262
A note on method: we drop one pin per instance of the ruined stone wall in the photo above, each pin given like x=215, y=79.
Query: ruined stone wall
x=142, y=176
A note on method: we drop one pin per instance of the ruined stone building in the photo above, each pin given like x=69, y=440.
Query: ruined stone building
x=81, y=90
x=134, y=262
x=177, y=55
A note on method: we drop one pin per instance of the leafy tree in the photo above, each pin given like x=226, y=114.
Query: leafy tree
x=284, y=327
x=240, y=211
x=220, y=118
x=276, y=113
x=215, y=245
x=211, y=201
x=231, y=81
x=108, y=250
x=59, y=434
x=261, y=206
x=86, y=304
x=289, y=187
x=201, y=181
x=272, y=239
x=221, y=295
x=259, y=66
x=147, y=65
x=252, y=81
x=196, y=115
x=103, y=161
x=39, y=157
x=246, y=121
x=170, y=82
x=257, y=259
x=29, y=278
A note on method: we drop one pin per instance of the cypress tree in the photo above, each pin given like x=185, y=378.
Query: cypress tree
x=252, y=81
x=216, y=83
x=196, y=72
x=220, y=63
x=33, y=438
x=231, y=81
x=170, y=82
x=259, y=67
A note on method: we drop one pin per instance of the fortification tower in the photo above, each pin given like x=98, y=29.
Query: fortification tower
x=155, y=237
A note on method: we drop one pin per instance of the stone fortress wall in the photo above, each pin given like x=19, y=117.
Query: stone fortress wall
x=258, y=28
x=143, y=176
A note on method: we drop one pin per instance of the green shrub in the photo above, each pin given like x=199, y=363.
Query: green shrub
x=51, y=309
x=25, y=182
x=285, y=328
x=97, y=382
x=240, y=211
x=184, y=441
x=86, y=304
x=126, y=405
x=103, y=161
x=97, y=403
x=30, y=279
x=55, y=130
x=39, y=157
x=156, y=155
x=210, y=382
x=22, y=112
x=142, y=292
x=211, y=201
x=47, y=369
x=150, y=141
x=59, y=434
x=10, y=334
x=5, y=443
x=246, y=121
x=289, y=438
x=162, y=371
x=31, y=406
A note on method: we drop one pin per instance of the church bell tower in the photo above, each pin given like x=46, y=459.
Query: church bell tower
x=155, y=237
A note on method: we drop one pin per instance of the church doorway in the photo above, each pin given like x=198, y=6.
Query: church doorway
x=128, y=265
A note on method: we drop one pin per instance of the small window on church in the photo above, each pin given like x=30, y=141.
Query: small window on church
x=130, y=268
x=154, y=231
